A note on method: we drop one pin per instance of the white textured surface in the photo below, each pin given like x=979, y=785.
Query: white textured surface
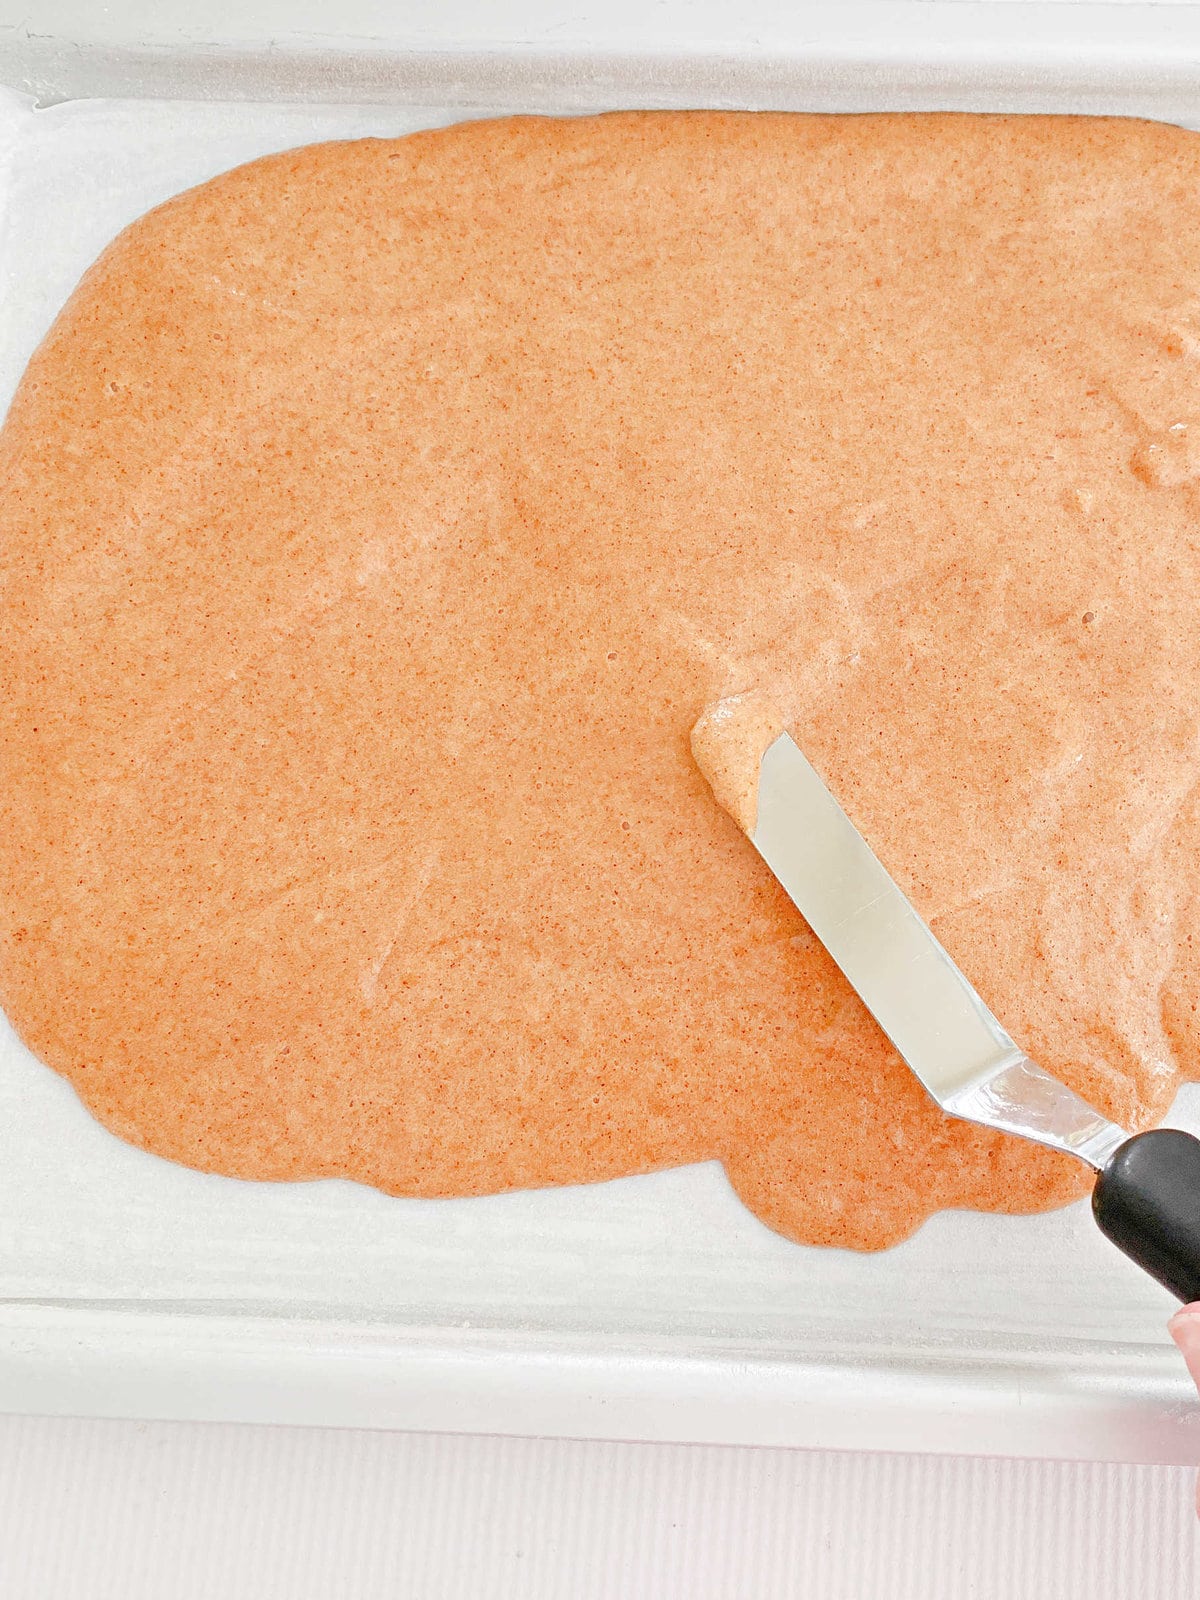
x=834, y=55
x=125, y=1511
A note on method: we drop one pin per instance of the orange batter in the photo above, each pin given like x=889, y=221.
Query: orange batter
x=378, y=519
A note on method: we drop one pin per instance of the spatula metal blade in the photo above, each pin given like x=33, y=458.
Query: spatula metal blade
x=901, y=972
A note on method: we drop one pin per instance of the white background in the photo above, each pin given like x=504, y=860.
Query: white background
x=151, y=1511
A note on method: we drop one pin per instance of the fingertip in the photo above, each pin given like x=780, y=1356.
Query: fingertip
x=1184, y=1328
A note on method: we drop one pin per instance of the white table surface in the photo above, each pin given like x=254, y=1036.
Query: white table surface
x=155, y=1511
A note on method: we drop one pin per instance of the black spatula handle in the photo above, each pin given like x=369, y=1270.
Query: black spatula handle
x=1147, y=1200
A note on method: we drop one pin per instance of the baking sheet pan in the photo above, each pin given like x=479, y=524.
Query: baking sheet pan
x=652, y=1307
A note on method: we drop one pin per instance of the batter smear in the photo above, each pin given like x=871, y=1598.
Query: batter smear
x=378, y=520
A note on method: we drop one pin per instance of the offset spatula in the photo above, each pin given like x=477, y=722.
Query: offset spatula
x=1147, y=1193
